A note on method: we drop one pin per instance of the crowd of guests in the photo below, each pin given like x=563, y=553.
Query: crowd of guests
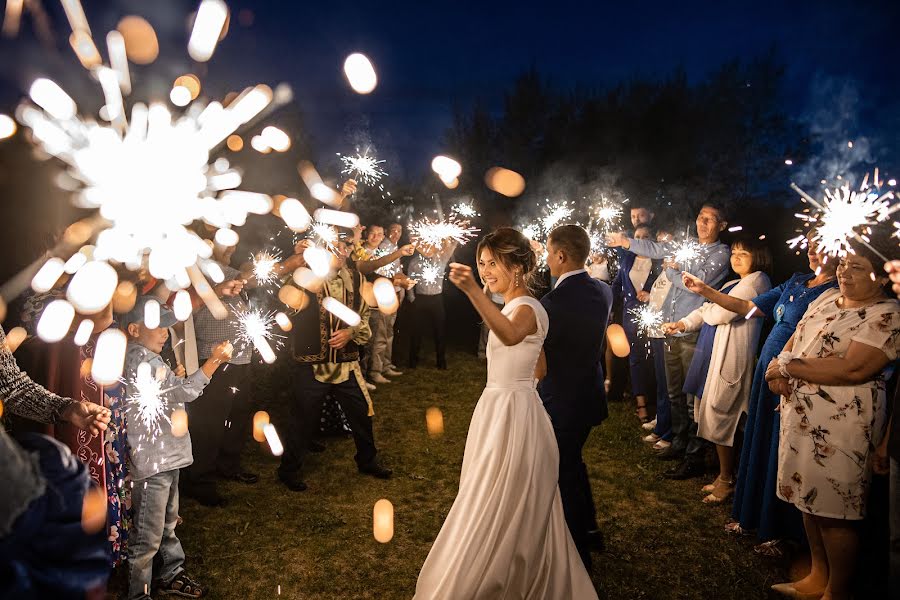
x=795, y=426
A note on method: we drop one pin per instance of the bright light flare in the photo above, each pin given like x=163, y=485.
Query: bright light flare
x=319, y=260
x=686, y=251
x=255, y=327
x=55, y=321
x=83, y=333
x=272, y=438
x=92, y=287
x=360, y=73
x=208, y=24
x=383, y=521
x=148, y=403
x=341, y=311
x=336, y=217
x=182, y=306
x=264, y=266
x=648, y=319
x=48, y=275
x=151, y=314
x=465, y=210
x=385, y=295
x=7, y=127
x=433, y=232
x=109, y=357
x=295, y=215
x=555, y=214
x=276, y=139
x=55, y=102
x=446, y=168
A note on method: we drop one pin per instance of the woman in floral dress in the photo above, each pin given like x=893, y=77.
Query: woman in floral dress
x=831, y=376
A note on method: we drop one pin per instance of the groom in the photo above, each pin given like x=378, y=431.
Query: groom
x=572, y=391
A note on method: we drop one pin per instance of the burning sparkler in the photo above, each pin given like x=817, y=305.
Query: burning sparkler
x=465, y=210
x=648, y=319
x=555, y=214
x=431, y=272
x=844, y=215
x=364, y=167
x=149, y=403
x=264, y=266
x=324, y=235
x=686, y=251
x=607, y=214
x=433, y=233
x=532, y=232
x=255, y=326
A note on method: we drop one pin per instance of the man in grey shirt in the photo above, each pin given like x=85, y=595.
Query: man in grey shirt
x=711, y=264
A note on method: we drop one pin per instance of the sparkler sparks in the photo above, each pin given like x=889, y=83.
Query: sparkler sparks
x=555, y=214
x=607, y=214
x=465, y=210
x=648, y=319
x=686, y=251
x=843, y=216
x=433, y=233
x=264, y=266
x=363, y=167
x=431, y=272
x=148, y=403
x=255, y=326
x=324, y=235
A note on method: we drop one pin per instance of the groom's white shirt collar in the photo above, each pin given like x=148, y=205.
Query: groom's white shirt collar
x=568, y=274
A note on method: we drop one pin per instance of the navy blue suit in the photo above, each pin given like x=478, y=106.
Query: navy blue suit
x=572, y=390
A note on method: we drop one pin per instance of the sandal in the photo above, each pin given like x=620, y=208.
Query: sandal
x=644, y=418
x=710, y=486
x=734, y=528
x=182, y=585
x=770, y=549
x=722, y=491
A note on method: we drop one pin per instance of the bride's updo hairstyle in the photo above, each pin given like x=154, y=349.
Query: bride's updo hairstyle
x=511, y=249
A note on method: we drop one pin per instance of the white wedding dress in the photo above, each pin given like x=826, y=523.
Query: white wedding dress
x=506, y=535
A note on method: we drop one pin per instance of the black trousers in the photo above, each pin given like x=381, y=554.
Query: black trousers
x=219, y=422
x=575, y=489
x=428, y=312
x=307, y=396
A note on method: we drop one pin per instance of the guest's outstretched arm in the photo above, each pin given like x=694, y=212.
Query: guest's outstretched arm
x=736, y=305
x=510, y=330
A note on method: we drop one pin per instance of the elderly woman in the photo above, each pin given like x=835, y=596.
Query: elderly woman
x=721, y=372
x=831, y=376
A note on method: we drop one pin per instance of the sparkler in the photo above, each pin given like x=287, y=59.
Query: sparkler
x=686, y=251
x=554, y=214
x=324, y=235
x=607, y=214
x=433, y=232
x=431, y=272
x=264, y=266
x=844, y=215
x=465, y=210
x=255, y=326
x=148, y=404
x=648, y=319
x=363, y=167
x=532, y=231
x=116, y=165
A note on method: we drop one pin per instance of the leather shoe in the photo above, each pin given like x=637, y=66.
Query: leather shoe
x=686, y=470
x=316, y=447
x=670, y=454
x=376, y=470
x=242, y=477
x=595, y=541
x=293, y=482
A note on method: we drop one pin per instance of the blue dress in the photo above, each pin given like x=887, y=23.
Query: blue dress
x=756, y=506
x=695, y=380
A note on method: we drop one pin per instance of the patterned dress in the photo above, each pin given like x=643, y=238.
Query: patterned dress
x=828, y=431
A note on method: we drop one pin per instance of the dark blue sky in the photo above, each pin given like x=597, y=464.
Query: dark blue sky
x=430, y=55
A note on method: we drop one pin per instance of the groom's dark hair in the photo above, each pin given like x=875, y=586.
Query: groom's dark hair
x=572, y=239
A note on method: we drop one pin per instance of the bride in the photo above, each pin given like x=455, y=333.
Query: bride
x=505, y=535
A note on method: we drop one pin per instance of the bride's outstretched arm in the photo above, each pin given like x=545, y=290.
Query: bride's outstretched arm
x=510, y=330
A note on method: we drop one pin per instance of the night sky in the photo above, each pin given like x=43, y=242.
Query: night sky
x=431, y=56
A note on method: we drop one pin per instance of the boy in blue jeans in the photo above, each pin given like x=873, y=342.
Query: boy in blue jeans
x=158, y=450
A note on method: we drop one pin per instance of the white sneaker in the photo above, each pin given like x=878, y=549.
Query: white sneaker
x=378, y=378
x=649, y=426
x=652, y=438
x=392, y=372
x=661, y=445
x=370, y=387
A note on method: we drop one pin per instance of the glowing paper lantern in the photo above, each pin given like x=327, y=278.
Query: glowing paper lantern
x=434, y=421
x=109, y=357
x=618, y=342
x=383, y=521
x=179, y=422
x=360, y=73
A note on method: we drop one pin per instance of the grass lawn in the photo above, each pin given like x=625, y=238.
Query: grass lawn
x=662, y=542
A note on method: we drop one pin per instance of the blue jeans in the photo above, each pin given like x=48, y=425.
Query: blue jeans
x=155, y=505
x=663, y=407
x=894, y=517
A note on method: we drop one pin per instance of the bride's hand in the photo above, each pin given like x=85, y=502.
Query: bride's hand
x=462, y=277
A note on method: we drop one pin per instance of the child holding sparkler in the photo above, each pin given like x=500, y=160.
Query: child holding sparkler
x=160, y=445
